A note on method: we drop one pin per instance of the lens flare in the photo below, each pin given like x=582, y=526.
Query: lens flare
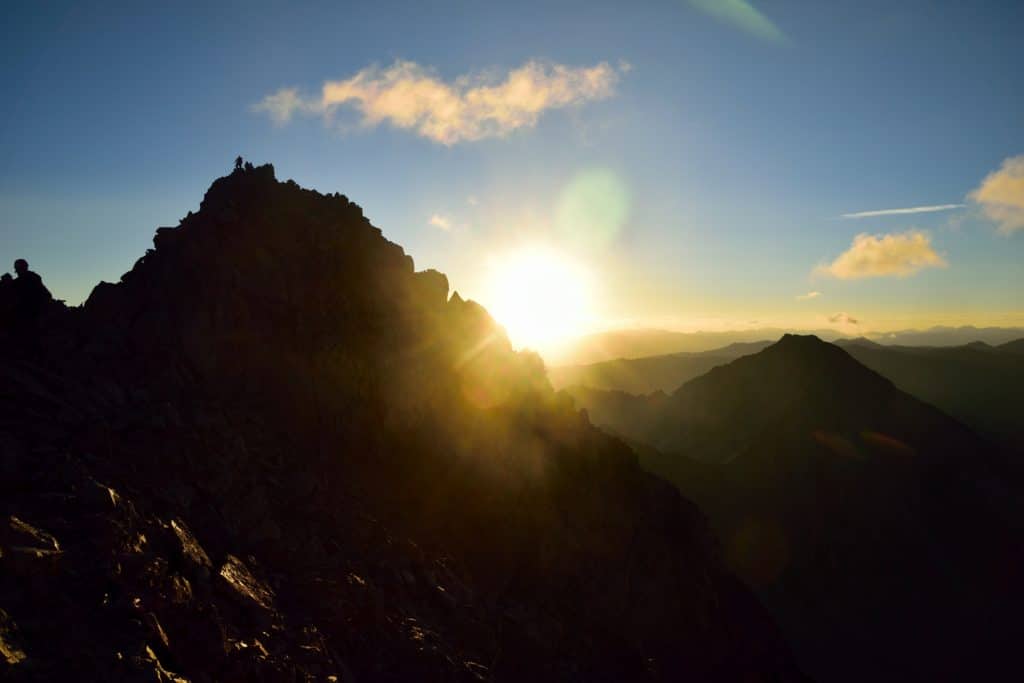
x=593, y=208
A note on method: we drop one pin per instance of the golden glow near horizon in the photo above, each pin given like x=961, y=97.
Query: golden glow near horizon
x=541, y=297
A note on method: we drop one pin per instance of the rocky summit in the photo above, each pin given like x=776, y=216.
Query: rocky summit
x=276, y=451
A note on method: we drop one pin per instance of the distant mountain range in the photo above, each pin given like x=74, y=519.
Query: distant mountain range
x=638, y=343
x=883, y=534
x=651, y=373
x=979, y=384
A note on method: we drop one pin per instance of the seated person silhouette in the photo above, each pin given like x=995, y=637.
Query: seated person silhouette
x=30, y=296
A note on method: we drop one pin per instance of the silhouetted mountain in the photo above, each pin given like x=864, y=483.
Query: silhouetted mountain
x=883, y=534
x=950, y=336
x=274, y=451
x=1013, y=346
x=641, y=343
x=653, y=373
x=857, y=341
x=980, y=385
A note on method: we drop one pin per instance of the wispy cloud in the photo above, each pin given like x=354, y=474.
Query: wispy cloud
x=808, y=296
x=1001, y=195
x=743, y=16
x=843, y=319
x=442, y=222
x=471, y=107
x=899, y=212
x=897, y=254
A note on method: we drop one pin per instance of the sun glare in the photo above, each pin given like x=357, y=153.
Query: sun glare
x=540, y=297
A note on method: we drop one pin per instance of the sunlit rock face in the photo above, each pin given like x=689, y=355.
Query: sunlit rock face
x=276, y=451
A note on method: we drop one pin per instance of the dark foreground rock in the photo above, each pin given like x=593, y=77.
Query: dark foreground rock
x=274, y=451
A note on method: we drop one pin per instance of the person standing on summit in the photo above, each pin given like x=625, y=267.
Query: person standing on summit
x=238, y=163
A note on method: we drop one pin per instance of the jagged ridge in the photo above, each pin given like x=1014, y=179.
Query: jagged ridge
x=274, y=450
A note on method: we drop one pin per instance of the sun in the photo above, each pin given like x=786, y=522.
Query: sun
x=541, y=297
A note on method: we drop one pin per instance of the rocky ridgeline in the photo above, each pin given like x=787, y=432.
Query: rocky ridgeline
x=275, y=451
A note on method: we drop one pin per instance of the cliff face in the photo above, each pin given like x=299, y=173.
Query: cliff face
x=274, y=450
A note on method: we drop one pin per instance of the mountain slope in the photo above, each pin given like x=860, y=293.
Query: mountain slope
x=1016, y=346
x=621, y=344
x=274, y=451
x=980, y=385
x=879, y=531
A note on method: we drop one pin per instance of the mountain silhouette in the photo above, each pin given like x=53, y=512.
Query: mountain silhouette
x=639, y=343
x=879, y=531
x=650, y=373
x=1012, y=347
x=612, y=345
x=275, y=451
x=979, y=384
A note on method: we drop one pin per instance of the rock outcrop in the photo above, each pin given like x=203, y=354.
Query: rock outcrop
x=274, y=451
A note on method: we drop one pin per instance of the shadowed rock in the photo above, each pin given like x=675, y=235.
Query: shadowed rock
x=387, y=490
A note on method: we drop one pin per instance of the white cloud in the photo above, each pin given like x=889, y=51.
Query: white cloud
x=472, y=107
x=899, y=212
x=1001, y=195
x=442, y=222
x=808, y=295
x=897, y=254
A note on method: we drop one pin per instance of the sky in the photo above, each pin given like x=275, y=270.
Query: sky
x=699, y=164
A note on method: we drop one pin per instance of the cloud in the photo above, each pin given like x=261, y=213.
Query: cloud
x=899, y=254
x=472, y=107
x=808, y=295
x=742, y=15
x=843, y=319
x=1001, y=195
x=896, y=212
x=439, y=221
x=281, y=105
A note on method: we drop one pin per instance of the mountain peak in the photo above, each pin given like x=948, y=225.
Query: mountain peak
x=273, y=402
x=799, y=341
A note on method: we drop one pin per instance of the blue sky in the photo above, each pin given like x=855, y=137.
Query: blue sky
x=734, y=149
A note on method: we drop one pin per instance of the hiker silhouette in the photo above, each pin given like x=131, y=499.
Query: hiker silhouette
x=29, y=296
x=238, y=162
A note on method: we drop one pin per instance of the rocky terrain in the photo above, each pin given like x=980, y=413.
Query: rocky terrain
x=275, y=451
